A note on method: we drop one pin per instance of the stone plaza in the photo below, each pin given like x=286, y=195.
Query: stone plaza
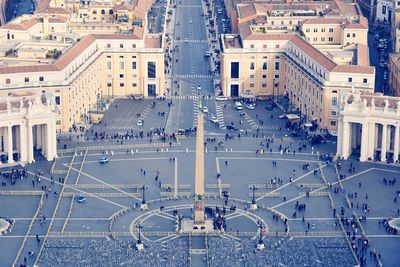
x=314, y=210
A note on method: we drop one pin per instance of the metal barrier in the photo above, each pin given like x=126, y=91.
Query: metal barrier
x=265, y=194
x=102, y=194
x=217, y=186
x=310, y=186
x=20, y=193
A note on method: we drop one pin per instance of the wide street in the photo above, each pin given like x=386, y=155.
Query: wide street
x=312, y=209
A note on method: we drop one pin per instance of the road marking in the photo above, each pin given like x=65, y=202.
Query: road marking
x=219, y=179
x=176, y=178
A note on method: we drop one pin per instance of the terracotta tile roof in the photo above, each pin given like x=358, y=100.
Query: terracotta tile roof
x=69, y=55
x=354, y=69
x=244, y=30
x=362, y=55
x=23, y=26
x=152, y=42
x=74, y=52
x=138, y=32
x=53, y=10
x=139, y=14
x=313, y=52
x=324, y=21
x=246, y=10
x=58, y=19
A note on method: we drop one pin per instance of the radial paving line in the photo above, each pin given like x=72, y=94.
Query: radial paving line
x=176, y=178
x=80, y=169
x=29, y=230
x=69, y=214
x=110, y=185
x=56, y=209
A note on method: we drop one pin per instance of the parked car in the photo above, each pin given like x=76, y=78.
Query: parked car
x=238, y=106
x=205, y=109
x=139, y=123
x=250, y=106
x=214, y=119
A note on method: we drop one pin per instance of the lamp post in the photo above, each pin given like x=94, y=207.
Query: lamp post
x=253, y=205
x=139, y=244
x=260, y=244
x=108, y=91
x=273, y=88
x=143, y=205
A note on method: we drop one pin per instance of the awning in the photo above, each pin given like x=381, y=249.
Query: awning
x=137, y=22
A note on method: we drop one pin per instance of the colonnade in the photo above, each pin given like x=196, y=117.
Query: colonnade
x=372, y=140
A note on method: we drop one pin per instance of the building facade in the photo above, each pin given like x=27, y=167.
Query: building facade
x=369, y=126
x=27, y=123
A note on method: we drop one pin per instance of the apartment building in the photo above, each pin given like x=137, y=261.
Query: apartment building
x=265, y=61
x=39, y=54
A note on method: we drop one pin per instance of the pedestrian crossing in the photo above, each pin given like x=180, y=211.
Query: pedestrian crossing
x=191, y=41
x=251, y=122
x=128, y=121
x=195, y=111
x=220, y=115
x=191, y=76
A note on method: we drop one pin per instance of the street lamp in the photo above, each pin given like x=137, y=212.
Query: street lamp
x=108, y=91
x=273, y=88
x=139, y=244
x=260, y=244
x=143, y=205
x=253, y=205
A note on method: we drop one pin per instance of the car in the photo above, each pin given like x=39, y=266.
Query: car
x=205, y=109
x=207, y=54
x=221, y=98
x=238, y=106
x=186, y=40
x=242, y=114
x=139, y=123
x=214, y=119
x=104, y=160
x=190, y=21
x=282, y=116
x=231, y=128
x=81, y=199
x=250, y=106
x=198, y=87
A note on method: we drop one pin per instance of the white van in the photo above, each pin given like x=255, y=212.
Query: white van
x=221, y=98
x=207, y=54
x=238, y=106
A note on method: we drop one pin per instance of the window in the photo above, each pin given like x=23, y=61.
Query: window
x=121, y=84
x=330, y=39
x=41, y=79
x=277, y=65
x=330, y=29
x=264, y=76
x=151, y=69
x=365, y=80
x=58, y=100
x=26, y=79
x=315, y=29
x=121, y=76
x=251, y=76
x=252, y=67
x=121, y=45
x=348, y=35
x=308, y=30
x=354, y=35
x=334, y=101
x=121, y=56
x=384, y=10
x=133, y=45
x=251, y=85
x=109, y=65
x=276, y=76
x=265, y=66
x=322, y=39
x=134, y=84
x=333, y=123
x=350, y=79
x=323, y=30
x=333, y=113
x=277, y=46
x=315, y=39
x=234, y=70
x=252, y=46
x=134, y=65
x=121, y=65
x=263, y=85
x=265, y=46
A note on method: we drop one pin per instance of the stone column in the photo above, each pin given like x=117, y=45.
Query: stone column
x=53, y=138
x=339, y=145
x=39, y=136
x=346, y=139
x=30, y=144
x=44, y=139
x=49, y=141
x=364, y=142
x=396, y=143
x=372, y=140
x=384, y=142
x=10, y=144
x=23, y=143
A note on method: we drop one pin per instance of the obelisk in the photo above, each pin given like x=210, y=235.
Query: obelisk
x=199, y=204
